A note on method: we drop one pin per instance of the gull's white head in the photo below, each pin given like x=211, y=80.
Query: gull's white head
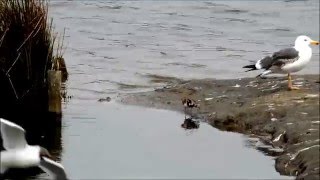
x=304, y=41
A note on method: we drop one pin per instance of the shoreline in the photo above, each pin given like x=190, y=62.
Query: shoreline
x=286, y=122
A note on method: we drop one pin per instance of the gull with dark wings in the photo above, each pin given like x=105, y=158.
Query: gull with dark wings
x=286, y=61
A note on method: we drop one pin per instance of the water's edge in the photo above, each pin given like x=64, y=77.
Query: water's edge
x=263, y=108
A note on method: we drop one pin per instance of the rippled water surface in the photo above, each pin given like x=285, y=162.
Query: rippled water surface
x=114, y=46
x=114, y=43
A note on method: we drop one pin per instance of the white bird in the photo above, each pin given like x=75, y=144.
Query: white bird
x=286, y=61
x=19, y=154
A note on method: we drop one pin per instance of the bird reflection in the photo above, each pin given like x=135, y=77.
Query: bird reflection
x=190, y=124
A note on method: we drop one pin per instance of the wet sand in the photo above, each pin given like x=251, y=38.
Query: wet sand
x=278, y=122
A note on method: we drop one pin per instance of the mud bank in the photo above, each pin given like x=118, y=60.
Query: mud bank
x=278, y=122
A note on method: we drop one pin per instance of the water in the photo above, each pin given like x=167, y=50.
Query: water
x=112, y=45
x=112, y=141
x=121, y=42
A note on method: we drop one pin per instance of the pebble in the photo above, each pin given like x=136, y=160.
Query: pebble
x=274, y=119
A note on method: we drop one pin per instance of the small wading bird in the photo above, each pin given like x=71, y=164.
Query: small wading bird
x=189, y=103
x=286, y=61
x=19, y=154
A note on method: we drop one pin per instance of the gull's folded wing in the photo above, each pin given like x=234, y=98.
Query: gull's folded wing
x=288, y=53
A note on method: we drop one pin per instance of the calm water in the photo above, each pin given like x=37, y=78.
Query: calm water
x=114, y=44
x=112, y=141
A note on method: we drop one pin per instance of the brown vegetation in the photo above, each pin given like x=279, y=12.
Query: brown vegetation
x=28, y=49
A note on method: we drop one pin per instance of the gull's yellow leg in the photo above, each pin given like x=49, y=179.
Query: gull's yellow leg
x=290, y=87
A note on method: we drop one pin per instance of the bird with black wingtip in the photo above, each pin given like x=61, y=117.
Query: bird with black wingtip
x=286, y=61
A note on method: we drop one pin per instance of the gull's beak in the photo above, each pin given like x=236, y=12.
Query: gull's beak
x=314, y=42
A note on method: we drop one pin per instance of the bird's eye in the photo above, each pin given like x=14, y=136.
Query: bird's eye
x=305, y=40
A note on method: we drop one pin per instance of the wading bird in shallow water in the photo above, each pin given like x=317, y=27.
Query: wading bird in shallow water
x=19, y=154
x=286, y=61
x=189, y=104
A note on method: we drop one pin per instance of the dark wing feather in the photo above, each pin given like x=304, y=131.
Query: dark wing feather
x=278, y=58
x=286, y=54
x=266, y=62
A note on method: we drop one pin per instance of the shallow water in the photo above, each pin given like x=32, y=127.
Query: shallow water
x=112, y=47
x=112, y=141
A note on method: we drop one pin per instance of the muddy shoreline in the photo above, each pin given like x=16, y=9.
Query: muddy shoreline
x=278, y=122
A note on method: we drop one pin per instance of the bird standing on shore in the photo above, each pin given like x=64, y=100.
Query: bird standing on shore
x=286, y=61
x=189, y=103
x=19, y=154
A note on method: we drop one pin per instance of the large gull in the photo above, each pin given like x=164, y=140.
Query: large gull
x=19, y=154
x=286, y=61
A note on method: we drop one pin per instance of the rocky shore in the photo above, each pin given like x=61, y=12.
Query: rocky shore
x=278, y=122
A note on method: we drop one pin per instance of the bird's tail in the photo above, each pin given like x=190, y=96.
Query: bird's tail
x=251, y=66
x=262, y=75
x=260, y=64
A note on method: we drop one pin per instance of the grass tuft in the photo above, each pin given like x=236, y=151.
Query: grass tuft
x=28, y=49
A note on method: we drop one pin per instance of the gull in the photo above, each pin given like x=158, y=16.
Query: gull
x=19, y=154
x=286, y=61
